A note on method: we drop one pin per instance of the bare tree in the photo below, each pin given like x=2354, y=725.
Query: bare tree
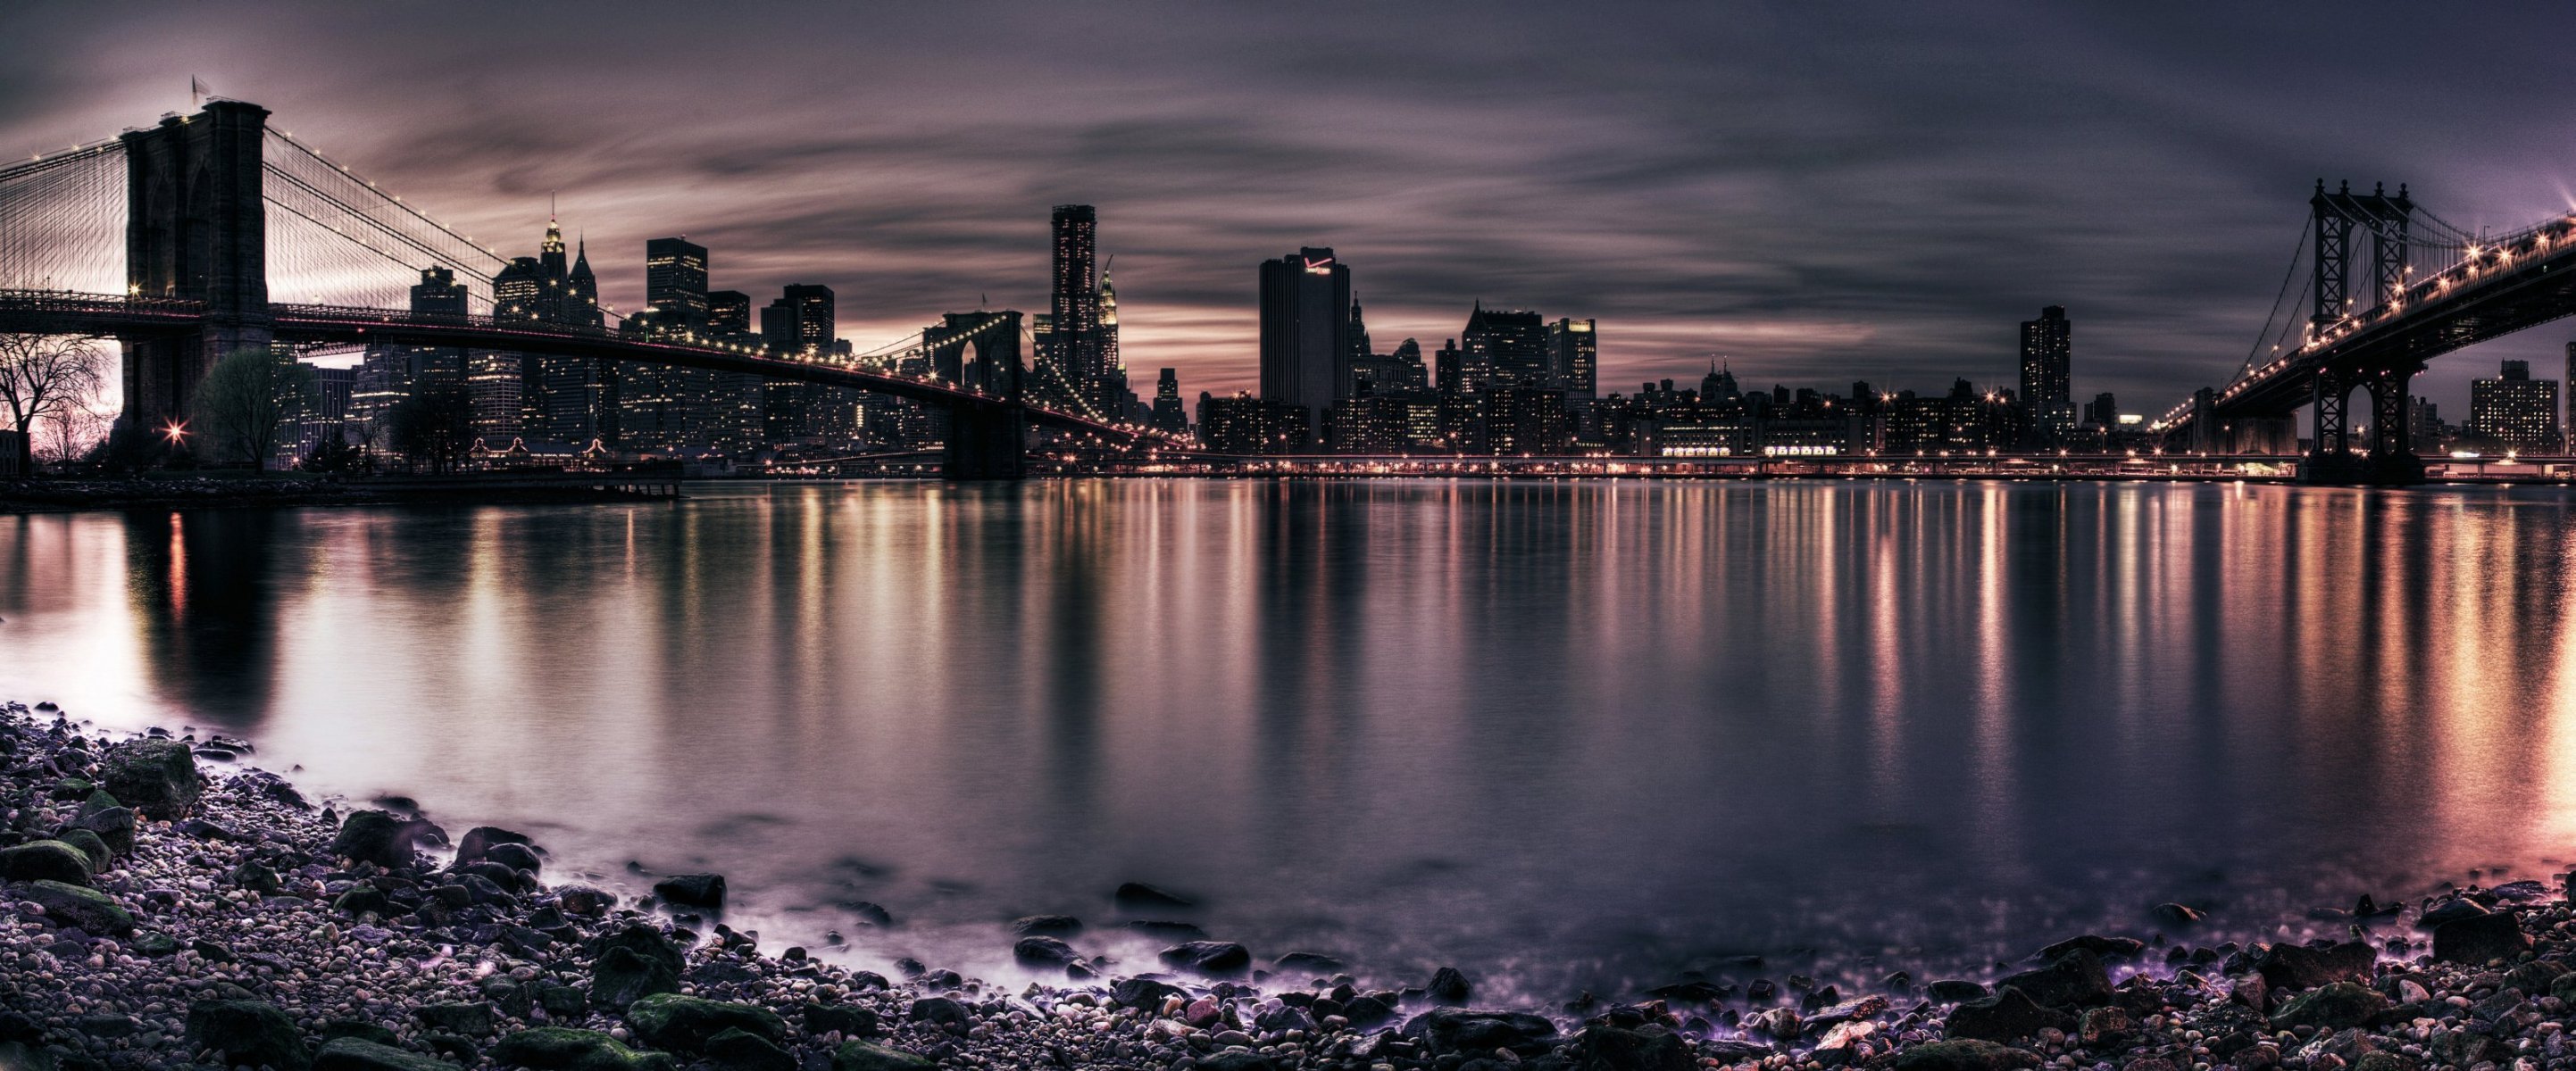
x=42, y=375
x=71, y=431
x=245, y=401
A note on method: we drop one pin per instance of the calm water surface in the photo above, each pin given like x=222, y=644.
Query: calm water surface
x=1562, y=735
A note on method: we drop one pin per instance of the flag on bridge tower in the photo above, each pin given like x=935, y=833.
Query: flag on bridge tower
x=196, y=92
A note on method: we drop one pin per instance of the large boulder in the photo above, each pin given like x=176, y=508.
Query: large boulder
x=736, y=1049
x=73, y=905
x=1046, y=926
x=1043, y=952
x=622, y=976
x=868, y=1056
x=1452, y=1030
x=555, y=1048
x=1964, y=1055
x=2007, y=1016
x=378, y=837
x=247, y=1033
x=684, y=1024
x=693, y=890
x=2288, y=966
x=360, y=1054
x=478, y=842
x=2074, y=979
x=1138, y=895
x=473, y=1019
x=1610, y=1048
x=2335, y=1006
x=848, y=1020
x=113, y=822
x=46, y=860
x=90, y=844
x=156, y=777
x=1213, y=958
x=2478, y=938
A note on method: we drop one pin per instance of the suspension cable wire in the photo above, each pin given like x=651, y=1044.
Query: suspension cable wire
x=62, y=221
x=2298, y=255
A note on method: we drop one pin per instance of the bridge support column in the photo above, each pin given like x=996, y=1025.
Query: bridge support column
x=986, y=441
x=2392, y=443
x=197, y=229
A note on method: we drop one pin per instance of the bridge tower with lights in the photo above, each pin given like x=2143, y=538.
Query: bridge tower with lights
x=2334, y=217
x=196, y=229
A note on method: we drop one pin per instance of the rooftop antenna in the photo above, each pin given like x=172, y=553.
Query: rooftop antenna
x=196, y=92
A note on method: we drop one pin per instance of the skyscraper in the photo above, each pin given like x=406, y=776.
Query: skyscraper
x=390, y=373
x=1573, y=351
x=803, y=322
x=1069, y=357
x=1169, y=413
x=1305, y=332
x=2514, y=411
x=2047, y=382
x=728, y=310
x=675, y=278
x=1504, y=348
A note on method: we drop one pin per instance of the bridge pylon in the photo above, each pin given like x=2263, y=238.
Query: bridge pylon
x=2391, y=452
x=986, y=441
x=196, y=229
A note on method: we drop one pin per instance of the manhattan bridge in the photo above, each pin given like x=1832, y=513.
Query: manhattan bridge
x=172, y=239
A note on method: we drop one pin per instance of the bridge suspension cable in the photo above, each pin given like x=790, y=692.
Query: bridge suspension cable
x=337, y=238
x=62, y=221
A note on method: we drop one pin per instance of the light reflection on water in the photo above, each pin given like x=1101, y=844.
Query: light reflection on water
x=1573, y=734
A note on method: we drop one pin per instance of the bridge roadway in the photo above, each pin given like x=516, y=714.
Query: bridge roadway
x=2520, y=282
x=110, y=315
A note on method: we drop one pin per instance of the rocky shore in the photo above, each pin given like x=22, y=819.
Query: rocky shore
x=166, y=905
x=62, y=495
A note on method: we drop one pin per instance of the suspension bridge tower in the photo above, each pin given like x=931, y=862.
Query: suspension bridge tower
x=196, y=230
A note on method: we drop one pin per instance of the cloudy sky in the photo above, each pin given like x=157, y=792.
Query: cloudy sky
x=1818, y=192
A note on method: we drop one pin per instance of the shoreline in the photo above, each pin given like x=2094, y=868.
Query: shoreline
x=75, y=496
x=164, y=899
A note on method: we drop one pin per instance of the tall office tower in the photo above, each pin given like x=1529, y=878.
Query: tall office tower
x=2568, y=424
x=1573, y=351
x=728, y=310
x=675, y=279
x=1408, y=358
x=2047, y=382
x=1359, y=339
x=1504, y=348
x=2515, y=411
x=803, y=323
x=1113, y=367
x=1305, y=333
x=577, y=396
x=1169, y=414
x=1449, y=369
x=390, y=373
x=1070, y=362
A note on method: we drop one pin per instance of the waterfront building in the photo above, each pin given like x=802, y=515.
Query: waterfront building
x=2514, y=411
x=389, y=373
x=2047, y=384
x=1574, y=351
x=1305, y=331
x=1504, y=348
x=1168, y=415
x=1071, y=368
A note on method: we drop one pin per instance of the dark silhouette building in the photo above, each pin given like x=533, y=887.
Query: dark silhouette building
x=1072, y=357
x=2047, y=381
x=1306, y=319
x=1504, y=348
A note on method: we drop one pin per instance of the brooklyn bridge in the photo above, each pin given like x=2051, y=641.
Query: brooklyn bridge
x=204, y=216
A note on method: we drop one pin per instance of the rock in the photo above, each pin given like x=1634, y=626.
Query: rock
x=155, y=945
x=582, y=901
x=1964, y=1055
x=548, y=1048
x=693, y=890
x=359, y=1054
x=2447, y=910
x=73, y=905
x=940, y=1012
x=477, y=843
x=1146, y=993
x=1367, y=1012
x=1237, y=1061
x=2104, y=1026
x=866, y=1056
x=46, y=860
x=1043, y=952
x=850, y=1020
x=2007, y=1016
x=2074, y=979
x=1610, y=1048
x=254, y=876
x=2289, y=966
x=2475, y=939
x=363, y=900
x=247, y=1033
x=517, y=857
x=1449, y=986
x=1953, y=991
x=2335, y=1006
x=622, y=976
x=2105, y=947
x=156, y=777
x=1451, y=1030
x=113, y=824
x=378, y=837
x=360, y=1029
x=90, y=844
x=684, y=1024
x=2175, y=915
x=1138, y=895
x=472, y=1020
x=1212, y=958
x=735, y=1049
x=1046, y=926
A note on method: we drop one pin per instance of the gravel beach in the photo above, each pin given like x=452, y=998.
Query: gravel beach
x=166, y=904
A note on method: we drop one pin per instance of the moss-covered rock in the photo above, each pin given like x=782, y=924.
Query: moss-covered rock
x=2333, y=1007
x=735, y=1049
x=549, y=1048
x=91, y=845
x=1964, y=1055
x=360, y=1054
x=156, y=777
x=74, y=905
x=247, y=1033
x=45, y=860
x=683, y=1024
x=869, y=1056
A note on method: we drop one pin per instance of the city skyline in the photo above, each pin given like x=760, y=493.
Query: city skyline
x=1845, y=221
